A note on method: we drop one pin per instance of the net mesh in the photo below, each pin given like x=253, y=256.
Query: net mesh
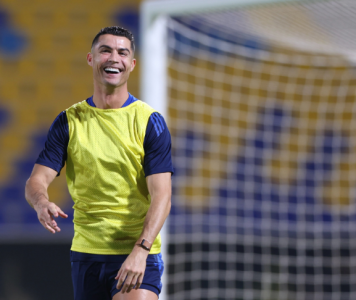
x=264, y=151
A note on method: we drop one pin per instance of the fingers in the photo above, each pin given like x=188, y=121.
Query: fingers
x=118, y=274
x=46, y=214
x=53, y=209
x=130, y=275
x=129, y=283
x=49, y=223
x=121, y=279
x=61, y=213
x=56, y=211
x=48, y=227
x=139, y=282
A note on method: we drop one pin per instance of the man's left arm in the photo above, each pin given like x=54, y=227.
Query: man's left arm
x=133, y=269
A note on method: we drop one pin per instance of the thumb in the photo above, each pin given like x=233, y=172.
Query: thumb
x=53, y=210
x=61, y=213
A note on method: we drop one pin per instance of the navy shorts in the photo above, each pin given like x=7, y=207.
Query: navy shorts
x=94, y=275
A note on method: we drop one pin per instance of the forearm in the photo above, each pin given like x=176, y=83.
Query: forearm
x=37, y=196
x=156, y=216
x=159, y=187
x=133, y=269
x=35, y=191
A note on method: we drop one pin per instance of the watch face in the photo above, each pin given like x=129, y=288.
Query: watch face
x=145, y=244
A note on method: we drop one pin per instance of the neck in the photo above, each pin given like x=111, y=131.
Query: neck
x=107, y=98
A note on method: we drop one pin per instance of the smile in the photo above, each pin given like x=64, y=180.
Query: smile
x=111, y=70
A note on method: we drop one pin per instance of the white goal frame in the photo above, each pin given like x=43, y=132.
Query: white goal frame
x=153, y=55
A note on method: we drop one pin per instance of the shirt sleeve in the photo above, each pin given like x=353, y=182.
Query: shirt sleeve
x=54, y=153
x=157, y=146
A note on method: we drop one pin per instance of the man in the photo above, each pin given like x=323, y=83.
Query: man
x=118, y=155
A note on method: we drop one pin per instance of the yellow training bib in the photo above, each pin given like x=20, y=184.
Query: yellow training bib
x=105, y=177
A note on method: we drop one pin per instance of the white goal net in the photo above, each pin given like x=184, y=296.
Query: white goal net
x=261, y=104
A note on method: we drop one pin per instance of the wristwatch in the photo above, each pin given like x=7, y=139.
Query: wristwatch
x=145, y=245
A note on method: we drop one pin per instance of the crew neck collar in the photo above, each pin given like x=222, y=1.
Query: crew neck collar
x=131, y=99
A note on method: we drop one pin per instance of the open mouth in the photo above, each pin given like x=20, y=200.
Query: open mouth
x=111, y=70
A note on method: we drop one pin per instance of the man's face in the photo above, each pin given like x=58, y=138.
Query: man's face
x=112, y=60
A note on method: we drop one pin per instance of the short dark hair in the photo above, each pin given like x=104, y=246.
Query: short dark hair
x=118, y=31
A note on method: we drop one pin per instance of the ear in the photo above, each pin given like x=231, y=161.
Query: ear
x=90, y=59
x=133, y=64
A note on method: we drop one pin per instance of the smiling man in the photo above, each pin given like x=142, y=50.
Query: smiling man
x=118, y=155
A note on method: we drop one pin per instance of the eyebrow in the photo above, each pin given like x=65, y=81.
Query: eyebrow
x=122, y=49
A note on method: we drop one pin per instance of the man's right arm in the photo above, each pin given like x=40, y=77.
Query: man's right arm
x=48, y=165
x=37, y=196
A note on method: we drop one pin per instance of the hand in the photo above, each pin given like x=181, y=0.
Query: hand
x=133, y=269
x=46, y=211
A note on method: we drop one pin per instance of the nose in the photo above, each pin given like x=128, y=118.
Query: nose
x=114, y=57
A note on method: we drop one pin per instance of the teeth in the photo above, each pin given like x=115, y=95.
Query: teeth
x=112, y=70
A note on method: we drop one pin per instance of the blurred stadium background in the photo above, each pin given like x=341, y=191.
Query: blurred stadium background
x=261, y=102
x=43, y=70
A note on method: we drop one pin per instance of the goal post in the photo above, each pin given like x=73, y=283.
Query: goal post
x=262, y=130
x=153, y=31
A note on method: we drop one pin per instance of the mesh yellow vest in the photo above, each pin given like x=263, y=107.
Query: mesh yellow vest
x=105, y=177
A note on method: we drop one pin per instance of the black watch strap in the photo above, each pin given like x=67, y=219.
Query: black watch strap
x=145, y=245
